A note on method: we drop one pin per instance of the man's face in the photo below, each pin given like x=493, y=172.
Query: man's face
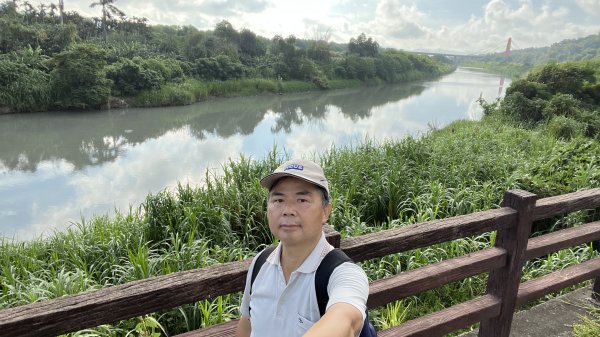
x=295, y=212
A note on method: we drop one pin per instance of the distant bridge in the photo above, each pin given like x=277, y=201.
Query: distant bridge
x=463, y=56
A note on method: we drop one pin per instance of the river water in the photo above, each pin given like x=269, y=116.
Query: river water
x=58, y=168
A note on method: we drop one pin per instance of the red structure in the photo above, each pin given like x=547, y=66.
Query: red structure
x=508, y=44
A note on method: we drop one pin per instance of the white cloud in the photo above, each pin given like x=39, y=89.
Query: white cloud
x=591, y=6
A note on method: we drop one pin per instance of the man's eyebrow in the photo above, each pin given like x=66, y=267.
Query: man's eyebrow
x=303, y=192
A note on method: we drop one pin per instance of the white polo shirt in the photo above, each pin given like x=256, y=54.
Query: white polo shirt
x=280, y=309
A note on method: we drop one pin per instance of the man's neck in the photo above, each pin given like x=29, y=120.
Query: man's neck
x=292, y=257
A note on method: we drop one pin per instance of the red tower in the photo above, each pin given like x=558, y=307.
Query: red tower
x=508, y=44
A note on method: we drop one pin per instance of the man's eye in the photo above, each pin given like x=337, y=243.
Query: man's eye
x=302, y=200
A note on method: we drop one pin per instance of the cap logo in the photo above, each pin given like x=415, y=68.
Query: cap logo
x=294, y=167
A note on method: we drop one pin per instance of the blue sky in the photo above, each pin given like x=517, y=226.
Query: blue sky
x=461, y=26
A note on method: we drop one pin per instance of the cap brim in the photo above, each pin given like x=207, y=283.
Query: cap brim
x=268, y=181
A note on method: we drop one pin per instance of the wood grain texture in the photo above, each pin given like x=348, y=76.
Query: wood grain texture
x=567, y=203
x=226, y=329
x=89, y=309
x=426, y=234
x=447, y=320
x=504, y=283
x=558, y=280
x=432, y=276
x=549, y=243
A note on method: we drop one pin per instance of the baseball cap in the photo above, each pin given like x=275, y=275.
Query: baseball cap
x=297, y=168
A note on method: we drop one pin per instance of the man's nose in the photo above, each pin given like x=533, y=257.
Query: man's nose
x=288, y=209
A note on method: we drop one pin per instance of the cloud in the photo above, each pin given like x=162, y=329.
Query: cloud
x=225, y=8
x=590, y=6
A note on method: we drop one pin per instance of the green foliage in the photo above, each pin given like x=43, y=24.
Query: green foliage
x=78, y=78
x=566, y=78
x=559, y=97
x=217, y=68
x=520, y=108
x=186, y=92
x=24, y=81
x=361, y=68
x=15, y=35
x=130, y=77
x=562, y=127
x=590, y=325
x=139, y=60
x=529, y=89
x=363, y=46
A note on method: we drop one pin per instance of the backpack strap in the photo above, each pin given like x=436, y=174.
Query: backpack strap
x=260, y=260
x=333, y=259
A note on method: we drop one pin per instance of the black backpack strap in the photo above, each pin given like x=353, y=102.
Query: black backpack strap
x=260, y=260
x=333, y=259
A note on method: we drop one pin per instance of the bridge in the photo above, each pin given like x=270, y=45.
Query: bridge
x=456, y=57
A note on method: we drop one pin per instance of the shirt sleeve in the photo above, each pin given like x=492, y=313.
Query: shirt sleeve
x=245, y=305
x=349, y=284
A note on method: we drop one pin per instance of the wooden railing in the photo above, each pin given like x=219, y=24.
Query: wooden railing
x=493, y=310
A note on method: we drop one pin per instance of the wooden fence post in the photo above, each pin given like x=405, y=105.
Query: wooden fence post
x=333, y=237
x=504, y=283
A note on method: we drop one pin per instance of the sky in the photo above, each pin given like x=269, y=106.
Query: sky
x=457, y=26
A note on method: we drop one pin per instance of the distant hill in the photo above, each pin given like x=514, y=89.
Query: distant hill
x=567, y=50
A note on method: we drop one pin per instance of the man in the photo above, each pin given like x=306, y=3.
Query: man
x=282, y=300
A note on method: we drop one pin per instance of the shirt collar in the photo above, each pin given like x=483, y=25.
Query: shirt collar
x=312, y=261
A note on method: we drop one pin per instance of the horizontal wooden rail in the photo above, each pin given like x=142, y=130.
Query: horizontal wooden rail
x=412, y=282
x=226, y=329
x=426, y=234
x=89, y=309
x=558, y=280
x=447, y=320
x=553, y=242
x=566, y=203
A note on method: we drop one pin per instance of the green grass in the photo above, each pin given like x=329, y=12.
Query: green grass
x=590, y=325
x=463, y=168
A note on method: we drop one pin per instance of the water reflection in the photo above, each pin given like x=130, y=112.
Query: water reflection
x=58, y=167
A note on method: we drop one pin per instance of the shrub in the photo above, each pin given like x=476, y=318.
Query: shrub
x=565, y=128
x=529, y=89
x=78, y=79
x=522, y=109
x=22, y=88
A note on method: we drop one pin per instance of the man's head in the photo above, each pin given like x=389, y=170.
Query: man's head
x=301, y=169
x=298, y=203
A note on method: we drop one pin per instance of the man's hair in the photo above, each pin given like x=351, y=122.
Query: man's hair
x=324, y=195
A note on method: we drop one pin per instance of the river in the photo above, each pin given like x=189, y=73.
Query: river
x=58, y=168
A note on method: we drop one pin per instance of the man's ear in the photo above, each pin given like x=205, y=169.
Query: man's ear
x=326, y=213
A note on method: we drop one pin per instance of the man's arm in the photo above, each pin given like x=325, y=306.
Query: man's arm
x=340, y=320
x=243, y=327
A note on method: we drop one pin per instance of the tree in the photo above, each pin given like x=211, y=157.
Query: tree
x=42, y=11
x=79, y=79
x=250, y=46
x=224, y=30
x=61, y=10
x=363, y=46
x=108, y=12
